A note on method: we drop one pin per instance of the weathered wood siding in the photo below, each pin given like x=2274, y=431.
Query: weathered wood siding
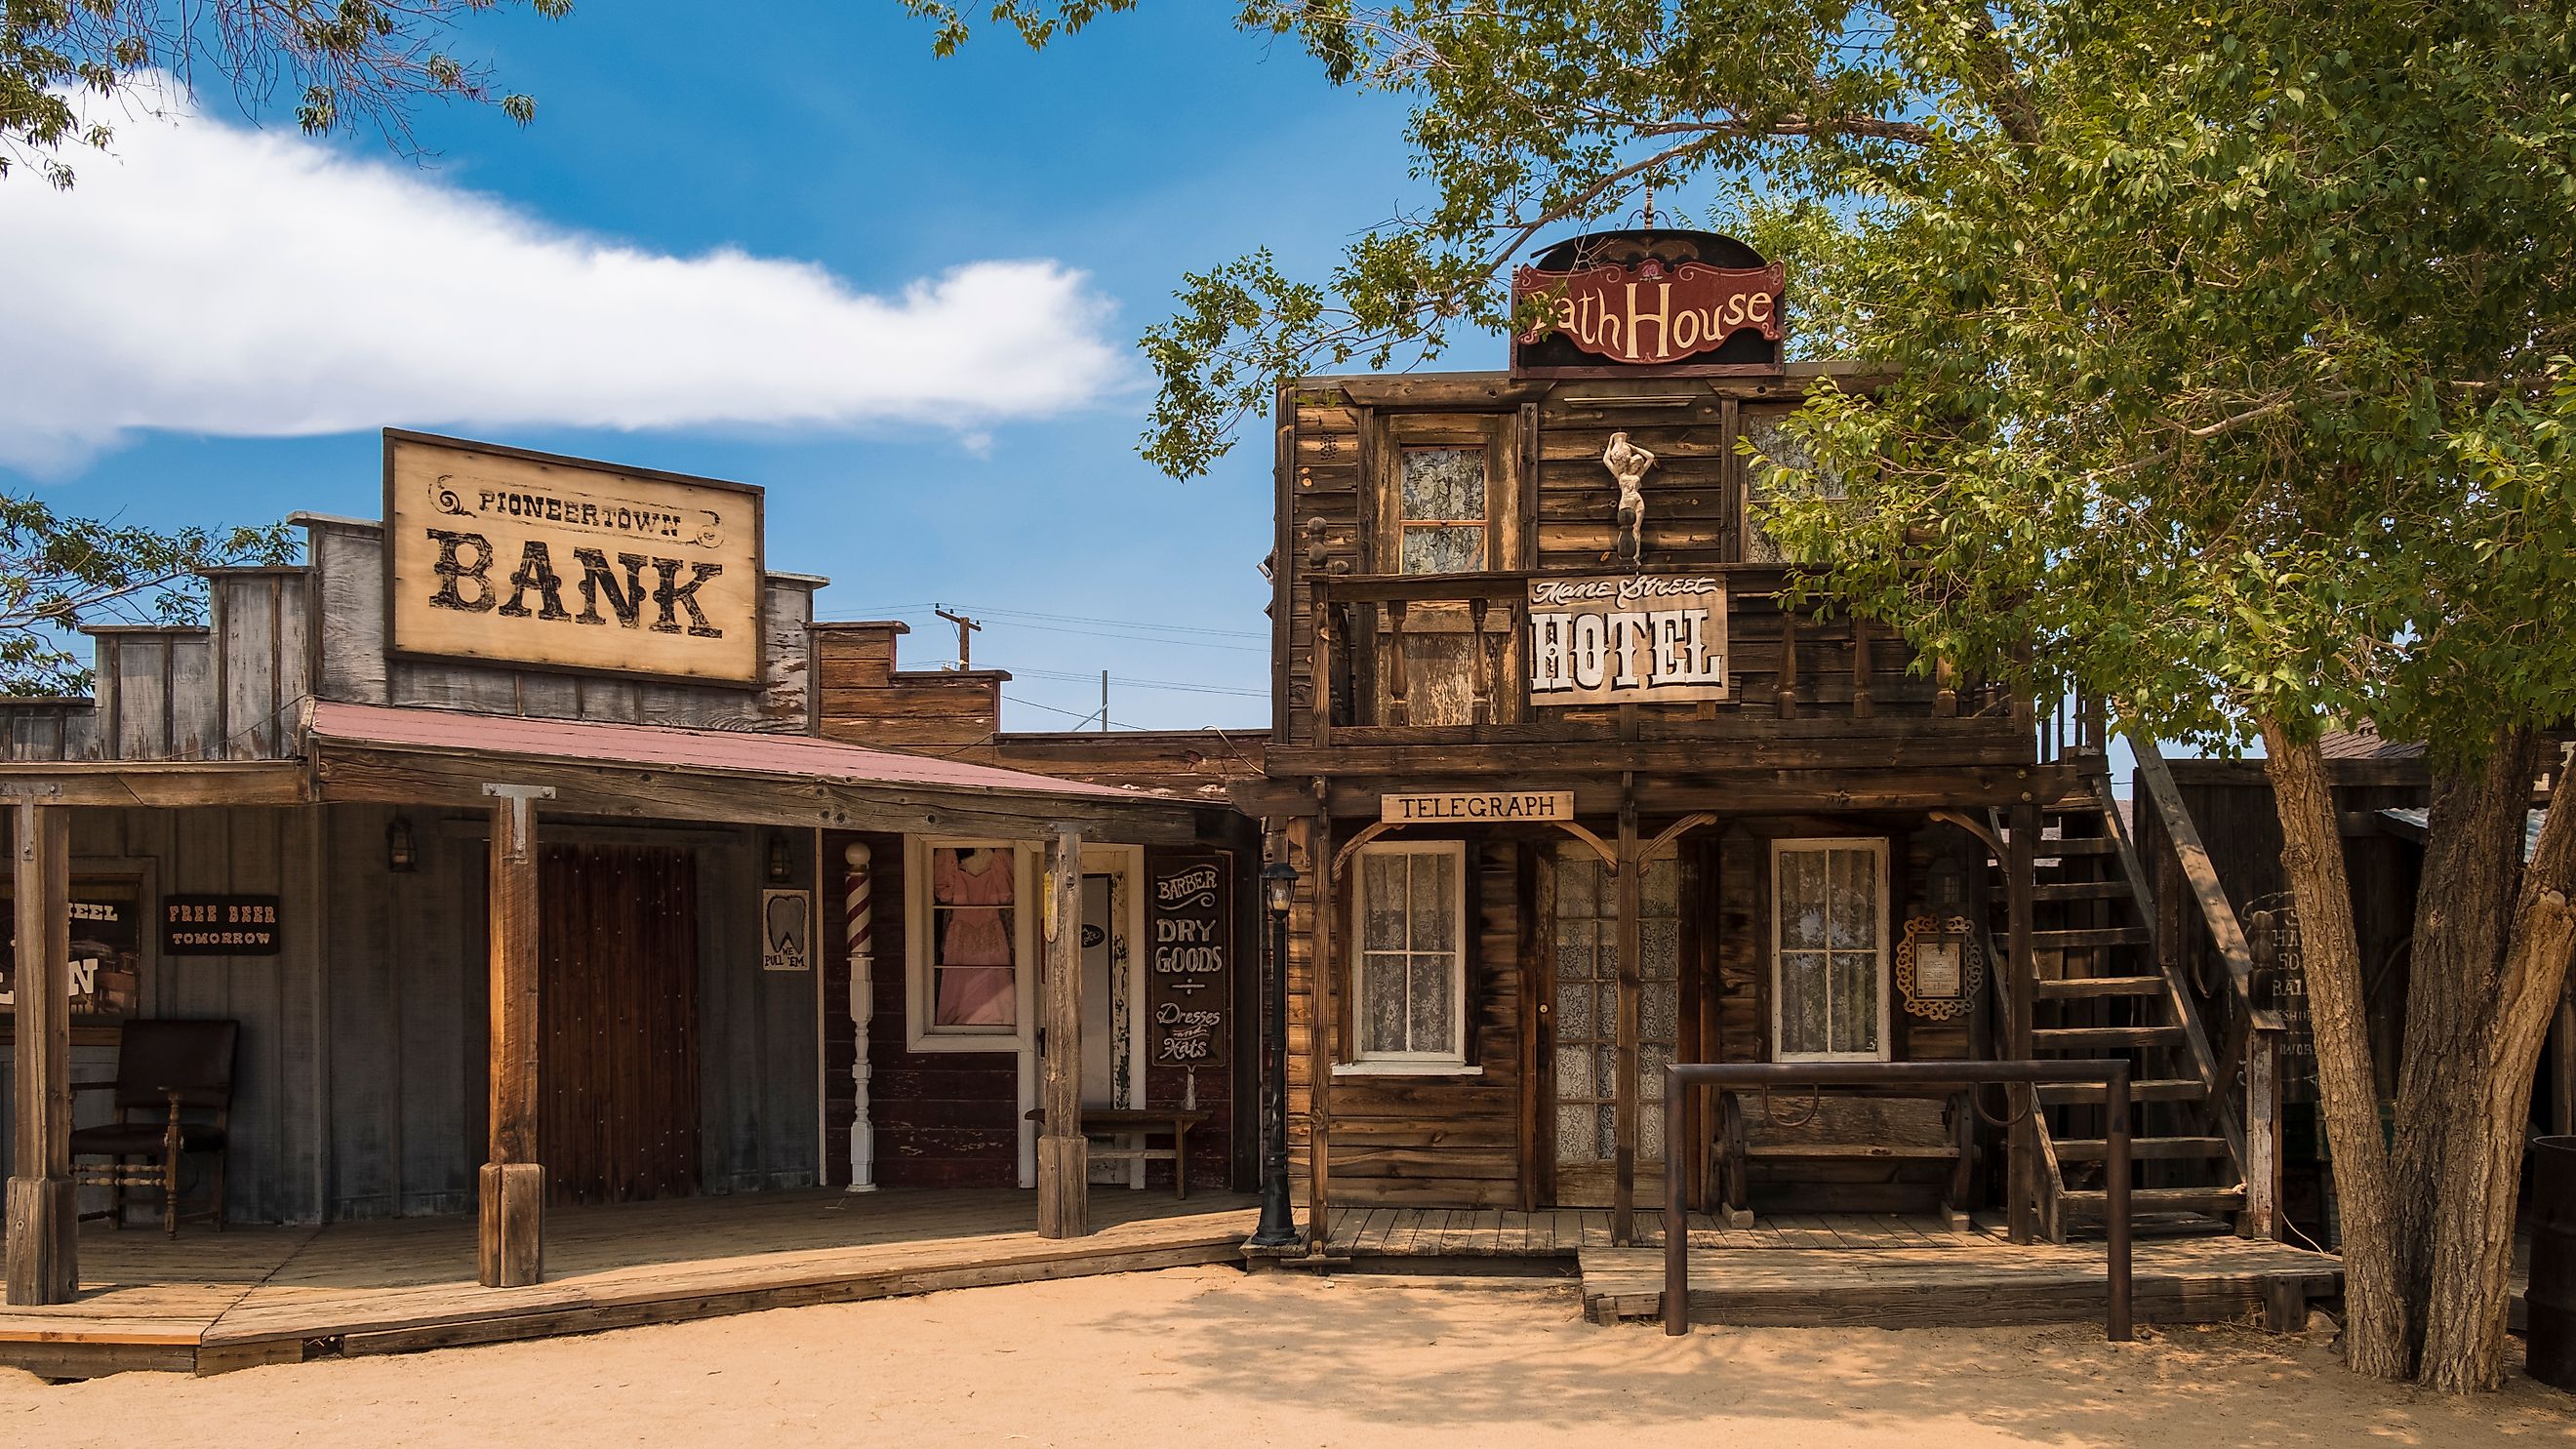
x=364, y=1048
x=866, y=699
x=1455, y=1140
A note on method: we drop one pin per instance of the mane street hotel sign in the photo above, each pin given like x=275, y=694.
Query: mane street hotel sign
x=517, y=558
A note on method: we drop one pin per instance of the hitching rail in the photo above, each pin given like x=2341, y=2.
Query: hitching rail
x=2111, y=1076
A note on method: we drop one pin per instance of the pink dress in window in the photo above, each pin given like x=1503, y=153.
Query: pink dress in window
x=975, y=979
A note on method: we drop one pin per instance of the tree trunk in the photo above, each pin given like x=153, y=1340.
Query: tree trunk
x=2375, y=1333
x=2480, y=1169
x=2463, y=914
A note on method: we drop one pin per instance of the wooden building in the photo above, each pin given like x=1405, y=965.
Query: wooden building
x=540, y=844
x=1574, y=796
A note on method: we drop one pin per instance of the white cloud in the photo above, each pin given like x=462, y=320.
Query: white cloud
x=215, y=279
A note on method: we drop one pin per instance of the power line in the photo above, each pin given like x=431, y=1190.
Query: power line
x=1170, y=684
x=884, y=609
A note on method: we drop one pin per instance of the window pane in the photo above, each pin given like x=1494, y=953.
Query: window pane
x=1659, y=1012
x=1802, y=1002
x=1578, y=890
x=1660, y=886
x=1574, y=1074
x=1854, y=894
x=1650, y=1133
x=1381, y=1004
x=1573, y=1011
x=1434, y=1014
x=1435, y=902
x=1659, y=950
x=1574, y=1135
x=1801, y=903
x=1452, y=549
x=1855, y=1001
x=1444, y=484
x=1382, y=895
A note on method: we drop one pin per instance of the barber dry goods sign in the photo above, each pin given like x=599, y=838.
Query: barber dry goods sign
x=519, y=558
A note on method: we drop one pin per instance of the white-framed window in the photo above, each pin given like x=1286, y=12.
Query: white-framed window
x=1829, y=960
x=968, y=942
x=1408, y=956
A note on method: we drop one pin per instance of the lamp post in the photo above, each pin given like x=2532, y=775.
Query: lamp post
x=1278, y=1226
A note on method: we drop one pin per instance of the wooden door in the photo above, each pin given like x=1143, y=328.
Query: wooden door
x=1585, y=1014
x=1448, y=501
x=618, y=1021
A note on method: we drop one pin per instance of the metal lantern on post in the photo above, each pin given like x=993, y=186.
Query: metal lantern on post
x=1278, y=1226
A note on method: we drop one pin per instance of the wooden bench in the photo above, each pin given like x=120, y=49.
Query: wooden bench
x=1130, y=1129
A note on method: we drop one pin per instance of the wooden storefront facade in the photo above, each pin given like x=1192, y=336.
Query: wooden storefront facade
x=535, y=927
x=1573, y=795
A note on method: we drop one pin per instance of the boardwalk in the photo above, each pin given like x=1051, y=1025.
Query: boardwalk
x=210, y=1302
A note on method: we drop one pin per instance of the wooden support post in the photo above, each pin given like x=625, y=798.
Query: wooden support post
x=1319, y=673
x=511, y=1239
x=1064, y=1154
x=2020, y=867
x=1784, y=697
x=1398, y=711
x=1482, y=710
x=1324, y=1014
x=44, y=1209
x=2262, y=1135
x=2562, y=1062
x=1945, y=689
x=1624, y=1099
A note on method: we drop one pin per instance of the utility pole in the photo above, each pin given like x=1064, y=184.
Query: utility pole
x=966, y=629
x=1104, y=701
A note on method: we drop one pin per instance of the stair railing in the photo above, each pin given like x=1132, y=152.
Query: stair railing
x=2250, y=1051
x=2047, y=1185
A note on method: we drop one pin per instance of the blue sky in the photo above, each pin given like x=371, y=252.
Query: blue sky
x=830, y=135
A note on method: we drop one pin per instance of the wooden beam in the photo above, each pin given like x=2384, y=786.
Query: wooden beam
x=44, y=1210
x=1623, y=1195
x=511, y=1238
x=1064, y=1154
x=2021, y=1197
x=164, y=784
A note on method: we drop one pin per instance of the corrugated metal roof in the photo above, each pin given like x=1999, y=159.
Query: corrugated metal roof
x=596, y=742
x=2366, y=744
x=2414, y=823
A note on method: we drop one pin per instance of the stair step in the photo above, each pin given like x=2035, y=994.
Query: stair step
x=2153, y=1089
x=2095, y=1202
x=2080, y=890
x=2117, y=1038
x=2090, y=936
x=2082, y=988
x=2094, y=1149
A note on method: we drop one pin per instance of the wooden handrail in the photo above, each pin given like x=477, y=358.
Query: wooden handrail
x=2201, y=874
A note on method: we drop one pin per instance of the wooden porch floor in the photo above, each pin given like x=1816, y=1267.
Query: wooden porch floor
x=1881, y=1270
x=209, y=1302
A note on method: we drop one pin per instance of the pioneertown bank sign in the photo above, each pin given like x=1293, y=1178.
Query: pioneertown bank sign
x=510, y=557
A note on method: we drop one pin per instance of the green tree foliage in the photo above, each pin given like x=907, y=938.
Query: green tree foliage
x=57, y=574
x=2230, y=350
x=344, y=63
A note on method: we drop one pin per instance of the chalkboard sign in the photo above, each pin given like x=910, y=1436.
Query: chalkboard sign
x=1189, y=968
x=219, y=925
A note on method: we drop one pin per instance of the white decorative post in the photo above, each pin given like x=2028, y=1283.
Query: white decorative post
x=858, y=916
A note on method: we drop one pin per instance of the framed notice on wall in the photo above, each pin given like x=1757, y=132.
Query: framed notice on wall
x=502, y=556
x=1189, y=964
x=786, y=930
x=106, y=948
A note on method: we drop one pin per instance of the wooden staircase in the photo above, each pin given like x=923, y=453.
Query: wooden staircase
x=2101, y=995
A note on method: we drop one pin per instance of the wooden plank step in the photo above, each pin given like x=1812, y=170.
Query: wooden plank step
x=1910, y=1152
x=2154, y=1089
x=2094, y=1149
x=2090, y=936
x=2094, y=1202
x=2080, y=890
x=2099, y=1038
x=2077, y=988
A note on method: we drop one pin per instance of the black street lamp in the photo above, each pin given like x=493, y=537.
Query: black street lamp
x=1278, y=1227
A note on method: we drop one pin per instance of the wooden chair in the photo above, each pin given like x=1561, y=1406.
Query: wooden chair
x=163, y=1069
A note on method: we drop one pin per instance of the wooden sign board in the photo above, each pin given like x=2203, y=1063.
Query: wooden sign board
x=1627, y=639
x=1476, y=807
x=1189, y=968
x=219, y=925
x=105, y=940
x=786, y=930
x=510, y=557
x=1655, y=312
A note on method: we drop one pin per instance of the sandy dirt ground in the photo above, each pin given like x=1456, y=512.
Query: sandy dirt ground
x=1212, y=1359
